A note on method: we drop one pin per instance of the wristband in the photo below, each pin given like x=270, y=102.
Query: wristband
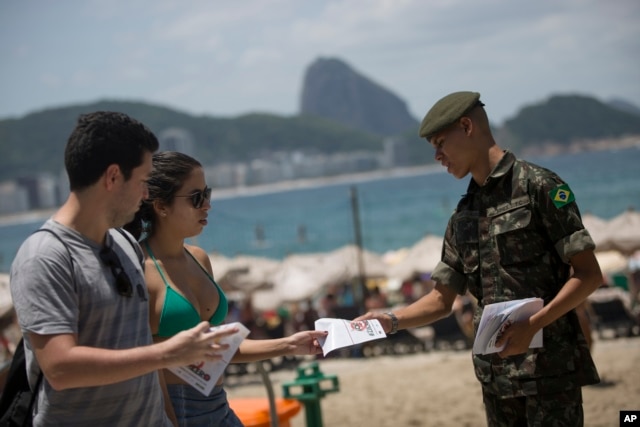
x=394, y=323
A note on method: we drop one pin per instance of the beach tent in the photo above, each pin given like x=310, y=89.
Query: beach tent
x=422, y=257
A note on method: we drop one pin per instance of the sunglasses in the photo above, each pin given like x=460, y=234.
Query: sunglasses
x=123, y=283
x=199, y=196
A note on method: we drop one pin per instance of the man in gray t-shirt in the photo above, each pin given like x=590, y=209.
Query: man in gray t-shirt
x=79, y=293
x=60, y=292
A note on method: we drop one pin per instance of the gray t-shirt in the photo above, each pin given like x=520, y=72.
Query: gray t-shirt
x=54, y=294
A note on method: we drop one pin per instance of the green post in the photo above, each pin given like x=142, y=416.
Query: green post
x=309, y=387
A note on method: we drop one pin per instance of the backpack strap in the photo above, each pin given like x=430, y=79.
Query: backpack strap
x=48, y=230
x=17, y=399
x=134, y=245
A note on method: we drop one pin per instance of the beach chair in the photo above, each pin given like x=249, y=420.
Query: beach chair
x=448, y=335
x=611, y=317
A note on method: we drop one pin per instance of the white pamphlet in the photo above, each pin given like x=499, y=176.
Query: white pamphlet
x=345, y=333
x=496, y=317
x=203, y=376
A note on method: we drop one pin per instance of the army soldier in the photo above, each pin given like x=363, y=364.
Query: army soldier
x=516, y=234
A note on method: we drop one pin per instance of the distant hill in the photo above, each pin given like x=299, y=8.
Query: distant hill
x=564, y=119
x=36, y=142
x=622, y=105
x=333, y=90
x=341, y=111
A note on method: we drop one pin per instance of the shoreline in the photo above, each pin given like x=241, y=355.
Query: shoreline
x=255, y=190
x=325, y=181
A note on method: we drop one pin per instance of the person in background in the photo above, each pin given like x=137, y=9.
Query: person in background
x=79, y=292
x=182, y=290
x=328, y=304
x=375, y=299
x=634, y=283
x=306, y=316
x=515, y=234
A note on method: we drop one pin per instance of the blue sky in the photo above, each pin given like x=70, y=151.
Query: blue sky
x=227, y=58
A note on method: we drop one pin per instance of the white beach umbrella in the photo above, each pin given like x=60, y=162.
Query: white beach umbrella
x=299, y=277
x=346, y=258
x=393, y=257
x=422, y=257
x=611, y=261
x=220, y=264
x=597, y=228
x=6, y=303
x=265, y=299
x=623, y=233
x=244, y=272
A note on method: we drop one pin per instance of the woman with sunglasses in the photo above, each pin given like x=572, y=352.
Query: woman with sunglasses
x=182, y=291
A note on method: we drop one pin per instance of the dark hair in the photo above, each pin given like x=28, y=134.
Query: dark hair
x=170, y=170
x=104, y=138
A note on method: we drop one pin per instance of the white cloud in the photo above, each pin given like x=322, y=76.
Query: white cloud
x=50, y=80
x=228, y=58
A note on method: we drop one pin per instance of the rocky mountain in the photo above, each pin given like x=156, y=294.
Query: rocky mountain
x=333, y=90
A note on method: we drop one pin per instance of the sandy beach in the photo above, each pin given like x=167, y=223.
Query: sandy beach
x=438, y=388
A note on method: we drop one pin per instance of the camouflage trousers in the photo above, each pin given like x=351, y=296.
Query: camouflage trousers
x=548, y=410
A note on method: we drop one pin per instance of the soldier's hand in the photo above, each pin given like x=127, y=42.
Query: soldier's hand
x=516, y=337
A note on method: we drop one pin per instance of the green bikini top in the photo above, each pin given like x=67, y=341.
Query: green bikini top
x=177, y=312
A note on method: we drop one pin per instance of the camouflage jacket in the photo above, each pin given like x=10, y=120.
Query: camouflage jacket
x=512, y=238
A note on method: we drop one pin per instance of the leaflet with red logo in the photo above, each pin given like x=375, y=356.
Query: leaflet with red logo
x=345, y=333
x=203, y=376
x=498, y=316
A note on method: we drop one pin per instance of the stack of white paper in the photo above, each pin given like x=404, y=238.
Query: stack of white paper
x=203, y=376
x=495, y=317
x=345, y=333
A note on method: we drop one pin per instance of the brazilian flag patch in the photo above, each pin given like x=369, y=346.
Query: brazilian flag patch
x=561, y=195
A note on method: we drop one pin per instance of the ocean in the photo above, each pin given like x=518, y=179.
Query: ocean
x=392, y=211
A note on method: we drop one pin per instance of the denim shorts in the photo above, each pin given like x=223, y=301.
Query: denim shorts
x=193, y=409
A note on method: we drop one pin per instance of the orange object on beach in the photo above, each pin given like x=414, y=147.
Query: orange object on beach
x=254, y=412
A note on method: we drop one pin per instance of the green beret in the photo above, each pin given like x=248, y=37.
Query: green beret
x=446, y=111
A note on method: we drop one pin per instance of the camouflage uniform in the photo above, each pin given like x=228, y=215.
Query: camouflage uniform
x=512, y=238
